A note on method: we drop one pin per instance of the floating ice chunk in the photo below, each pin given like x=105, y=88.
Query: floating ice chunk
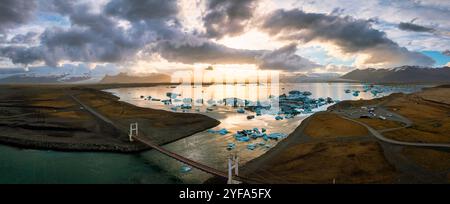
x=295, y=92
x=231, y=146
x=166, y=102
x=307, y=93
x=251, y=146
x=276, y=136
x=210, y=102
x=187, y=100
x=241, y=137
x=257, y=135
x=172, y=95
x=186, y=106
x=222, y=131
x=329, y=100
x=289, y=116
x=185, y=169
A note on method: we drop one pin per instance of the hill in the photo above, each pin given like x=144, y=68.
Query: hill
x=405, y=74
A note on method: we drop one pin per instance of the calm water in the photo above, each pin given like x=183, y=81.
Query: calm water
x=34, y=166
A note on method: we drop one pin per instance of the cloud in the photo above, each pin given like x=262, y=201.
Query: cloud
x=145, y=10
x=286, y=59
x=227, y=17
x=338, y=68
x=28, y=38
x=15, y=12
x=203, y=51
x=97, y=37
x=121, y=31
x=22, y=55
x=350, y=35
x=414, y=27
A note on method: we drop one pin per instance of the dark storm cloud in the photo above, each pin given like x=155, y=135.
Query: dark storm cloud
x=414, y=27
x=22, y=55
x=205, y=52
x=142, y=9
x=351, y=35
x=208, y=52
x=97, y=37
x=15, y=12
x=152, y=27
x=28, y=38
x=286, y=59
x=227, y=17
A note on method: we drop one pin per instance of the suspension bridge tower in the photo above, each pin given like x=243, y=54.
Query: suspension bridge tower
x=133, y=131
x=233, y=165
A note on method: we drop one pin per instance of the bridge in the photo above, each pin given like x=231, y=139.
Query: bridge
x=140, y=137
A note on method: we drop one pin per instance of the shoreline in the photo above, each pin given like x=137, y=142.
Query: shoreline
x=289, y=162
x=74, y=130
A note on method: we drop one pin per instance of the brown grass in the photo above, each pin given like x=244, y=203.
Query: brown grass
x=414, y=135
x=330, y=125
x=349, y=162
x=431, y=121
x=71, y=115
x=430, y=159
x=440, y=95
x=379, y=124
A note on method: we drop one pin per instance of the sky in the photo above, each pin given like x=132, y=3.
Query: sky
x=291, y=36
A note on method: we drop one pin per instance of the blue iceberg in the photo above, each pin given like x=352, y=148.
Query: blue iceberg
x=231, y=146
x=251, y=146
x=185, y=169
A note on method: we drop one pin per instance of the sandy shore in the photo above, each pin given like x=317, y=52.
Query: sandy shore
x=47, y=117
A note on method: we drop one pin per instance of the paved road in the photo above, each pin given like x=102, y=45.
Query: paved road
x=92, y=111
x=379, y=136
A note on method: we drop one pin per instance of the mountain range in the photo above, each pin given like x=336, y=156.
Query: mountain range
x=123, y=78
x=404, y=74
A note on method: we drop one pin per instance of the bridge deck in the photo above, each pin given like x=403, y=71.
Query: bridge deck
x=147, y=141
x=181, y=158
